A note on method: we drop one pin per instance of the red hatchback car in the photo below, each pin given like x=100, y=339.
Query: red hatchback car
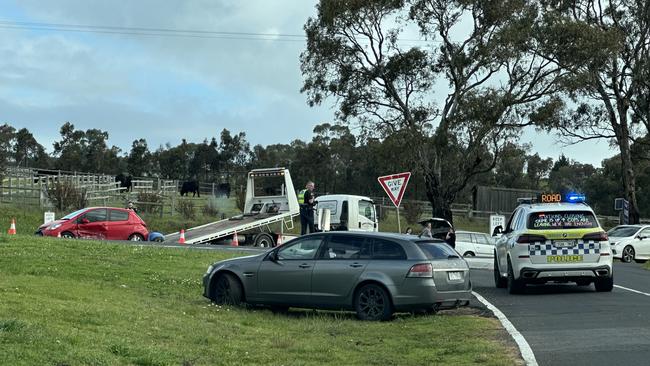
x=98, y=223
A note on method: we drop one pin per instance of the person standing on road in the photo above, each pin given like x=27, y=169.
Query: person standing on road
x=306, y=201
x=451, y=238
x=426, y=231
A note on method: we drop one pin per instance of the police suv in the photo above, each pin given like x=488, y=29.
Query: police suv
x=554, y=238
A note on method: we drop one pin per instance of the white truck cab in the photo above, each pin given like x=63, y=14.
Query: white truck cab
x=348, y=212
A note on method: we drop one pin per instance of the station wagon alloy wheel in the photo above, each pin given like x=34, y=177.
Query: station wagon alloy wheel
x=373, y=303
x=227, y=290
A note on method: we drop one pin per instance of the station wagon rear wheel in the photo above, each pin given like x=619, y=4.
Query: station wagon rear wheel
x=372, y=303
x=227, y=290
x=628, y=254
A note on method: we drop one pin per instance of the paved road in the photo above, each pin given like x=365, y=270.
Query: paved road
x=571, y=325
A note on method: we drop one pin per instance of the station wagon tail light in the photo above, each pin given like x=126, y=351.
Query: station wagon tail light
x=530, y=238
x=422, y=270
x=600, y=236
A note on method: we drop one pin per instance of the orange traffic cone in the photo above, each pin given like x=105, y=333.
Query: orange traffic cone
x=181, y=240
x=58, y=235
x=12, y=228
x=235, y=240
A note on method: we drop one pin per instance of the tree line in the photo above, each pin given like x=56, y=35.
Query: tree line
x=336, y=159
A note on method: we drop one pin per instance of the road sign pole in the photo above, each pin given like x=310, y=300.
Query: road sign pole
x=399, y=227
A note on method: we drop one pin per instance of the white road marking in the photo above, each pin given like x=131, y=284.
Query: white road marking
x=524, y=347
x=632, y=290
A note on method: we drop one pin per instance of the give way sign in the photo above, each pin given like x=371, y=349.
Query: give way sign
x=395, y=185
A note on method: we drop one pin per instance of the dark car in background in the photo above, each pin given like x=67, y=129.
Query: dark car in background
x=106, y=223
x=374, y=274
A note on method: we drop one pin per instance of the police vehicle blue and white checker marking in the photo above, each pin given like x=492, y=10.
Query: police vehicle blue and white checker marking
x=556, y=241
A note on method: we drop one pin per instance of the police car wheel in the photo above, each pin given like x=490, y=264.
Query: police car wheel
x=514, y=286
x=628, y=254
x=499, y=281
x=605, y=284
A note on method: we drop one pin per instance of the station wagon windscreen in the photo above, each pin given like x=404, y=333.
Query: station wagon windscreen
x=562, y=220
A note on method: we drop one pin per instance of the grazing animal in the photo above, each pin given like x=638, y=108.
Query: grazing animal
x=223, y=190
x=125, y=181
x=190, y=186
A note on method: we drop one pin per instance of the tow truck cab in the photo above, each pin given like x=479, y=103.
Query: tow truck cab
x=347, y=212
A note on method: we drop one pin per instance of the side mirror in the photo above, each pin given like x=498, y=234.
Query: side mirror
x=640, y=237
x=85, y=221
x=273, y=256
x=497, y=230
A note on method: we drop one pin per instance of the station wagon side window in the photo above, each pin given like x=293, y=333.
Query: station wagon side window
x=386, y=249
x=481, y=239
x=645, y=233
x=303, y=249
x=464, y=237
x=118, y=215
x=340, y=247
x=95, y=215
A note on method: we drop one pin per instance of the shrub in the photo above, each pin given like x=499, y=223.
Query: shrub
x=211, y=208
x=150, y=203
x=66, y=196
x=412, y=211
x=186, y=208
x=241, y=199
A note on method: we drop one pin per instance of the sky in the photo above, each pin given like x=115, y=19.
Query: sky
x=169, y=88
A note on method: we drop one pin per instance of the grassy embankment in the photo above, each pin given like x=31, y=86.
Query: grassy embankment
x=82, y=302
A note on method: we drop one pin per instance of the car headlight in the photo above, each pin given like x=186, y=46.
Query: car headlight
x=209, y=269
x=54, y=227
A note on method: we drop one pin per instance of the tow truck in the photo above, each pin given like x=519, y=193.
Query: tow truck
x=270, y=200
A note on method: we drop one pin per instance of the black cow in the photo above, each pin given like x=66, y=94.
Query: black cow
x=125, y=181
x=223, y=190
x=190, y=186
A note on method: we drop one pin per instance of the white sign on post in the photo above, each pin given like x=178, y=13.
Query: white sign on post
x=497, y=220
x=395, y=185
x=48, y=217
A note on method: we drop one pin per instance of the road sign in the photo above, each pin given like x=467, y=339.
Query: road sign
x=395, y=185
x=497, y=220
x=48, y=217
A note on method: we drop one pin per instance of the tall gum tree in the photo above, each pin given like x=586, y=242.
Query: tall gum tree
x=479, y=54
x=604, y=46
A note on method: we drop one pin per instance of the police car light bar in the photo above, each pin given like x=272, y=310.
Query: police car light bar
x=575, y=197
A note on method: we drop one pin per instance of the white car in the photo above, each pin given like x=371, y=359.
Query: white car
x=630, y=242
x=553, y=242
x=471, y=244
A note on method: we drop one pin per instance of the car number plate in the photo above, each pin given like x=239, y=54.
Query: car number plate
x=564, y=243
x=564, y=258
x=455, y=276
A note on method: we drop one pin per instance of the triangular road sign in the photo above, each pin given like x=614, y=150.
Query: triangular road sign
x=395, y=185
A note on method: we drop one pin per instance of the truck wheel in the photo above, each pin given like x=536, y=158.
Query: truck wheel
x=264, y=240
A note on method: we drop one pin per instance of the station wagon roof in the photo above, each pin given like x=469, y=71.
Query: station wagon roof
x=382, y=235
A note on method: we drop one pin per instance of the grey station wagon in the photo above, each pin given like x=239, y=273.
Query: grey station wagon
x=374, y=274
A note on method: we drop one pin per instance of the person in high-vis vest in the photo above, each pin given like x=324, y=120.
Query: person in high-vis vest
x=306, y=201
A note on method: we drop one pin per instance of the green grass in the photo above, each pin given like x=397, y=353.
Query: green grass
x=83, y=302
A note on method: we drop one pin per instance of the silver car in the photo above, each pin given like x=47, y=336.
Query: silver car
x=374, y=274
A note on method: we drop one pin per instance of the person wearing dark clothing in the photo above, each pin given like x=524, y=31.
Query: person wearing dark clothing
x=451, y=238
x=306, y=201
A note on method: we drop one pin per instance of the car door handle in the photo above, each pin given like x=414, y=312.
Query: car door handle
x=304, y=265
x=356, y=265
